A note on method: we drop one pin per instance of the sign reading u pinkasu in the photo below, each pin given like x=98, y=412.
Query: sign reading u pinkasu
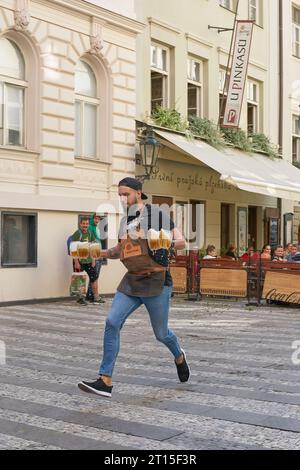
x=238, y=76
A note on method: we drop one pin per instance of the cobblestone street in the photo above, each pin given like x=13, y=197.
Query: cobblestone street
x=244, y=392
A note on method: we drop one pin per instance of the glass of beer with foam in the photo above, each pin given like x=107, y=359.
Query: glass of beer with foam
x=153, y=240
x=165, y=238
x=95, y=250
x=83, y=250
x=73, y=249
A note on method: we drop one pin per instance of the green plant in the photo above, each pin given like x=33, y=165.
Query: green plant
x=201, y=252
x=169, y=118
x=207, y=130
x=223, y=251
x=238, y=138
x=260, y=142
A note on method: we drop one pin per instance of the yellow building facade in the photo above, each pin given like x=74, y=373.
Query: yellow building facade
x=182, y=61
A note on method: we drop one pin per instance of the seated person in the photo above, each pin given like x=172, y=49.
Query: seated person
x=296, y=257
x=279, y=254
x=211, y=252
x=292, y=253
x=249, y=253
x=231, y=252
x=287, y=250
x=266, y=253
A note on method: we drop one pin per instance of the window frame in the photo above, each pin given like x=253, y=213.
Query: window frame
x=231, y=7
x=257, y=7
x=19, y=265
x=295, y=138
x=222, y=95
x=255, y=105
x=5, y=82
x=197, y=84
x=296, y=44
x=83, y=100
x=165, y=75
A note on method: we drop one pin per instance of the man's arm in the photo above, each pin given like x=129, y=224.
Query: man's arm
x=179, y=242
x=112, y=253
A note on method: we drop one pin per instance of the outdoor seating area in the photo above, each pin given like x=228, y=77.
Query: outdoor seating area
x=255, y=279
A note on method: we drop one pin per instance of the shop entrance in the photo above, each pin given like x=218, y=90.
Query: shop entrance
x=227, y=226
x=252, y=227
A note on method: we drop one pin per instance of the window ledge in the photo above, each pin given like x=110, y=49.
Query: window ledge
x=9, y=266
x=92, y=160
x=21, y=150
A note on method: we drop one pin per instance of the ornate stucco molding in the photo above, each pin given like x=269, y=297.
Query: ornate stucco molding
x=21, y=15
x=96, y=39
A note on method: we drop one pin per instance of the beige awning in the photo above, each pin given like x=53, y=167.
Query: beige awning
x=251, y=172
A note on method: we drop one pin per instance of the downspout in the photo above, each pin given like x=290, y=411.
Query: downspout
x=280, y=109
x=280, y=120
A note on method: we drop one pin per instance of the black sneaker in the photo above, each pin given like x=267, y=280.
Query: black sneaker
x=98, y=387
x=81, y=302
x=100, y=300
x=183, y=369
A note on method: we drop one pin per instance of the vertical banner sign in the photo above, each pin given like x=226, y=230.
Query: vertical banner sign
x=238, y=76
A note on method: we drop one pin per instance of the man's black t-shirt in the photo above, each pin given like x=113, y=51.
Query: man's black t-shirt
x=151, y=217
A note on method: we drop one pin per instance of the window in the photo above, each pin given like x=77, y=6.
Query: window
x=296, y=139
x=12, y=94
x=190, y=220
x=296, y=32
x=226, y=4
x=86, y=111
x=255, y=13
x=229, y=4
x=222, y=96
x=194, y=88
x=19, y=239
x=252, y=107
x=159, y=76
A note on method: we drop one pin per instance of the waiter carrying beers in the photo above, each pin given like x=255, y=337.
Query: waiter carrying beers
x=146, y=234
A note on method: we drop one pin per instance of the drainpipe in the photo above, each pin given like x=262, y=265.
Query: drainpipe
x=280, y=114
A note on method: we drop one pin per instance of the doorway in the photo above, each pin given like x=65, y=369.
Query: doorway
x=227, y=226
x=252, y=227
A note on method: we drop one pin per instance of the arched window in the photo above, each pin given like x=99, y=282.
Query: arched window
x=12, y=94
x=87, y=111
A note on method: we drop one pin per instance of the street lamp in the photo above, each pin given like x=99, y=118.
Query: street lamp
x=149, y=149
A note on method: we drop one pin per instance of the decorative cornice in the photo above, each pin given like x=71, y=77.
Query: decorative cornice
x=251, y=62
x=198, y=40
x=163, y=25
x=111, y=18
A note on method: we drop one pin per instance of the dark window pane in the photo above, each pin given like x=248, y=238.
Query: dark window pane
x=157, y=90
x=192, y=100
x=18, y=239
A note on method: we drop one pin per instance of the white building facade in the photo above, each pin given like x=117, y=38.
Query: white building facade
x=67, y=133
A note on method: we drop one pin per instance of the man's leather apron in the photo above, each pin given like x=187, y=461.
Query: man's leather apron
x=145, y=277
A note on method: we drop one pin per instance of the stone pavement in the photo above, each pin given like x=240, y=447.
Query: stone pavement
x=244, y=392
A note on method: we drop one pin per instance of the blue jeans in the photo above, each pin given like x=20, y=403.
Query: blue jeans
x=124, y=305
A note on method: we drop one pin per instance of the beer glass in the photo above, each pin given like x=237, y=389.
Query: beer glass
x=95, y=250
x=73, y=249
x=83, y=250
x=165, y=238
